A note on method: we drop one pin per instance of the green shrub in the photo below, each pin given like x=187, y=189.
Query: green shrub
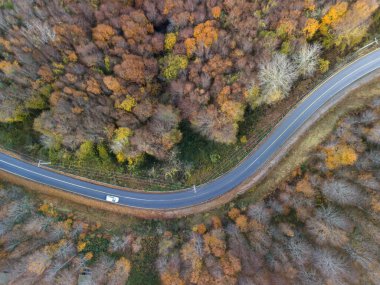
x=86, y=151
x=324, y=65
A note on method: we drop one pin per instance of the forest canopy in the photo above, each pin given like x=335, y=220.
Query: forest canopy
x=129, y=74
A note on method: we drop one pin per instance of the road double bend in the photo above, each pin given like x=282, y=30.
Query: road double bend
x=215, y=188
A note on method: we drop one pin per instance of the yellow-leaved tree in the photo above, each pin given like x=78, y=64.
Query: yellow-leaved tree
x=341, y=155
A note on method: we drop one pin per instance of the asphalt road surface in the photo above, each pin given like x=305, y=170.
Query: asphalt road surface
x=213, y=189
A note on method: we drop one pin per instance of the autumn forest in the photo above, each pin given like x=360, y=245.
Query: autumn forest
x=166, y=94
x=124, y=82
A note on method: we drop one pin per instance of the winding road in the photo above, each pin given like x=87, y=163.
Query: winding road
x=213, y=189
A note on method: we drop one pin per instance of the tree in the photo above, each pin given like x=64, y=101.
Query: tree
x=234, y=110
x=276, y=78
x=343, y=193
x=361, y=255
x=350, y=28
x=234, y=213
x=214, y=243
x=120, y=142
x=101, y=269
x=120, y=272
x=300, y=251
x=324, y=234
x=18, y=211
x=190, y=45
x=311, y=27
x=216, y=222
x=171, y=65
x=230, y=264
x=214, y=125
x=135, y=69
x=120, y=243
x=171, y=279
x=335, y=13
x=93, y=86
x=127, y=104
x=306, y=59
x=86, y=151
x=170, y=41
x=137, y=30
x=38, y=262
x=112, y=83
x=39, y=32
x=66, y=277
x=242, y=223
x=192, y=254
x=332, y=217
x=205, y=33
x=373, y=134
x=252, y=95
x=305, y=187
x=200, y=229
x=103, y=33
x=324, y=65
x=330, y=265
x=8, y=67
x=259, y=212
x=341, y=155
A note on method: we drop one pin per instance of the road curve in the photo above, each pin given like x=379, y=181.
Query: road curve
x=213, y=189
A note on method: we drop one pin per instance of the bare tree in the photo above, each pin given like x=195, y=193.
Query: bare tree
x=332, y=217
x=309, y=277
x=279, y=254
x=260, y=241
x=37, y=224
x=4, y=228
x=259, y=212
x=213, y=267
x=343, y=193
x=239, y=246
x=330, y=265
x=101, y=269
x=39, y=33
x=120, y=243
x=368, y=116
x=366, y=258
x=18, y=211
x=373, y=134
x=375, y=157
x=66, y=277
x=325, y=234
x=166, y=246
x=306, y=59
x=276, y=78
x=361, y=255
x=51, y=273
x=299, y=250
x=65, y=251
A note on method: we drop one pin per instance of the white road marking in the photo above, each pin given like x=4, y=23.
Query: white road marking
x=306, y=97
x=80, y=186
x=73, y=192
x=201, y=194
x=303, y=112
x=317, y=99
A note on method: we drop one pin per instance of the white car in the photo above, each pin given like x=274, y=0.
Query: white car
x=112, y=199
